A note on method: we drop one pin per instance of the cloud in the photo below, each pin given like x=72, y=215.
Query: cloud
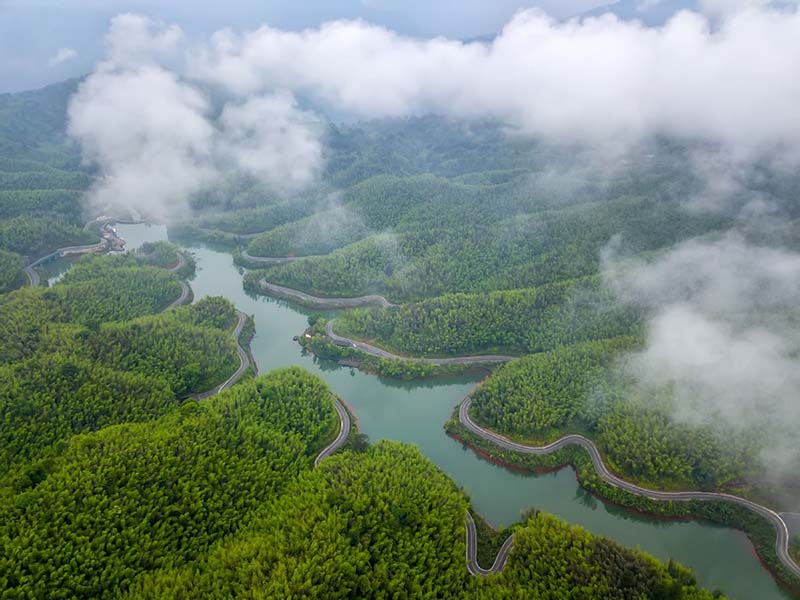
x=155, y=140
x=723, y=334
x=149, y=134
x=270, y=138
x=64, y=55
x=590, y=80
x=134, y=39
x=602, y=82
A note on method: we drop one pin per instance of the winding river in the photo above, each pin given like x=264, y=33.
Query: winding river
x=415, y=413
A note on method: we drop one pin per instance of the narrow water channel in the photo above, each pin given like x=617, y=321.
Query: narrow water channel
x=415, y=413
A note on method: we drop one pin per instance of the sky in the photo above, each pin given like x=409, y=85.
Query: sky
x=44, y=41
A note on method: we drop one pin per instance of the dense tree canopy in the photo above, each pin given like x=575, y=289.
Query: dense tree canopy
x=387, y=524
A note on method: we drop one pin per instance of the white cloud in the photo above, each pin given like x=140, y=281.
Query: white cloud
x=273, y=140
x=149, y=134
x=152, y=134
x=723, y=333
x=592, y=80
x=64, y=55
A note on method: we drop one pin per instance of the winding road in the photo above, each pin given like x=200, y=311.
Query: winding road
x=380, y=353
x=30, y=268
x=318, y=302
x=472, y=534
x=782, y=540
x=244, y=361
x=781, y=528
x=186, y=291
x=244, y=357
x=371, y=300
x=472, y=552
x=268, y=260
x=341, y=438
x=100, y=223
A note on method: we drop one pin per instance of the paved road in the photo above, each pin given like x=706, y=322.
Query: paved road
x=472, y=552
x=244, y=361
x=344, y=432
x=186, y=292
x=181, y=262
x=782, y=531
x=380, y=353
x=472, y=535
x=323, y=303
x=792, y=522
x=30, y=269
x=33, y=276
x=268, y=260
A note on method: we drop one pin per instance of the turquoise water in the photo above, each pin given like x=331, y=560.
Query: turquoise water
x=415, y=413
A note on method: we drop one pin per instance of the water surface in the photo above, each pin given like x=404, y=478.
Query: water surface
x=415, y=413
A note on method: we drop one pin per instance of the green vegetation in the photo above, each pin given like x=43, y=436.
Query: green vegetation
x=40, y=181
x=96, y=290
x=321, y=346
x=120, y=372
x=427, y=255
x=583, y=388
x=135, y=498
x=553, y=560
x=489, y=540
x=114, y=482
x=10, y=266
x=166, y=256
x=794, y=548
x=34, y=236
x=387, y=524
x=760, y=532
x=99, y=289
x=530, y=320
x=538, y=396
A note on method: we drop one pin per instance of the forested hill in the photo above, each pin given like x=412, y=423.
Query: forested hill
x=387, y=524
x=33, y=127
x=115, y=482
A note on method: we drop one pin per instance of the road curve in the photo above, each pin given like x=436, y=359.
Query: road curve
x=472, y=535
x=323, y=303
x=380, y=353
x=183, y=298
x=33, y=276
x=344, y=432
x=244, y=361
x=30, y=268
x=472, y=552
x=100, y=222
x=781, y=528
x=268, y=260
x=186, y=291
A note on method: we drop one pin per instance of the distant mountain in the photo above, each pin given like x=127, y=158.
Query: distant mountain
x=651, y=13
x=33, y=123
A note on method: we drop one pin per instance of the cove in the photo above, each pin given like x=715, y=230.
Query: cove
x=415, y=412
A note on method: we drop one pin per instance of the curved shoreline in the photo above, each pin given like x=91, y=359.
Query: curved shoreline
x=781, y=528
x=472, y=534
x=774, y=518
x=101, y=222
x=381, y=353
x=268, y=260
x=322, y=303
x=371, y=300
